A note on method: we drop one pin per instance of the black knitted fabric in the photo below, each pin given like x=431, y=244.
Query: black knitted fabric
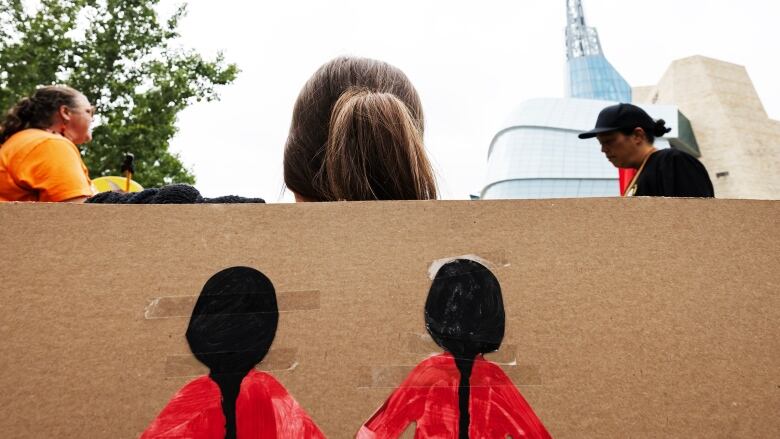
x=172, y=194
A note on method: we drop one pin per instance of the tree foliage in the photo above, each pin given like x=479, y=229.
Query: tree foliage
x=122, y=57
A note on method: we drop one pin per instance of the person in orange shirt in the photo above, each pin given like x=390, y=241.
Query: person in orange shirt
x=39, y=159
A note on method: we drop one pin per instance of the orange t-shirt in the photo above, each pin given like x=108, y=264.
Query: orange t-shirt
x=36, y=165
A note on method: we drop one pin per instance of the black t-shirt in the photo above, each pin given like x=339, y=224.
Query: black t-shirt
x=673, y=173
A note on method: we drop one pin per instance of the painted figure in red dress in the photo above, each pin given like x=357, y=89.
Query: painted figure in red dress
x=231, y=330
x=459, y=394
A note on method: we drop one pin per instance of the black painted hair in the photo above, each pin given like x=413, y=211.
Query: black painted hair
x=464, y=313
x=231, y=330
x=657, y=129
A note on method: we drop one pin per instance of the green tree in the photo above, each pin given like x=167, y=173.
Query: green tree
x=119, y=54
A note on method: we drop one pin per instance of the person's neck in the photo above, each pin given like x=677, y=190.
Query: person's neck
x=53, y=130
x=642, y=155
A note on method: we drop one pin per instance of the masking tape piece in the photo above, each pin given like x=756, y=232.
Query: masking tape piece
x=393, y=376
x=492, y=260
x=181, y=306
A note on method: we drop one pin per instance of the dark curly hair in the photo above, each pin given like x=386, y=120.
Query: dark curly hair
x=37, y=110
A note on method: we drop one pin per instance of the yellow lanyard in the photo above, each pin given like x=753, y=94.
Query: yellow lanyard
x=631, y=189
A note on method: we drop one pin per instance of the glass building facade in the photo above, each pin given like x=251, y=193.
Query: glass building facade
x=593, y=77
x=537, y=153
x=588, y=73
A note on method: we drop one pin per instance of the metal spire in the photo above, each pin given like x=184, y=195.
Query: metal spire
x=581, y=40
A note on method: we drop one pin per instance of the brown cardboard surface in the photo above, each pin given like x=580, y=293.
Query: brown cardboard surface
x=625, y=318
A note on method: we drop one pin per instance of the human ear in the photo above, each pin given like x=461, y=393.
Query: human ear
x=64, y=113
x=639, y=135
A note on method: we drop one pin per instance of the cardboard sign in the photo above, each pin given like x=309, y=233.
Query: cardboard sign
x=624, y=317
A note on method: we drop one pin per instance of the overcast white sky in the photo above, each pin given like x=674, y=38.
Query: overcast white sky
x=471, y=62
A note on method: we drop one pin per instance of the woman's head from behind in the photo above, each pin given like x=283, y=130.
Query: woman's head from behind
x=55, y=108
x=464, y=312
x=356, y=134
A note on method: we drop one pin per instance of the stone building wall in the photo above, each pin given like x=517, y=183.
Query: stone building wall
x=740, y=145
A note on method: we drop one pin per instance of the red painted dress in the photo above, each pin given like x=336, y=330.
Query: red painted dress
x=264, y=409
x=429, y=397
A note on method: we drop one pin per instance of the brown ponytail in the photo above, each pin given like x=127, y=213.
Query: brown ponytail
x=37, y=110
x=356, y=134
x=374, y=151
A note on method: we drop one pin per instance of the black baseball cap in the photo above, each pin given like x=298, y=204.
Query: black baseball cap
x=619, y=117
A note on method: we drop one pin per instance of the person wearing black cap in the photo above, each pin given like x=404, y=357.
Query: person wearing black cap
x=626, y=133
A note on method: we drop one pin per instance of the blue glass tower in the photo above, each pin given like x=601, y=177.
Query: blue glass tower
x=536, y=153
x=588, y=73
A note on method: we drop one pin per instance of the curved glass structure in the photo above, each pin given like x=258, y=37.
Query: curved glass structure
x=537, y=154
x=551, y=188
